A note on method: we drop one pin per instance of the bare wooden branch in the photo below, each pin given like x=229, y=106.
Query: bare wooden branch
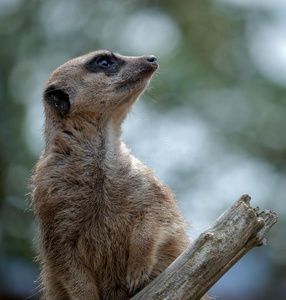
x=212, y=254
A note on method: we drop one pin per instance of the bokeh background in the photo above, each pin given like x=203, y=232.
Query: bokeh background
x=212, y=124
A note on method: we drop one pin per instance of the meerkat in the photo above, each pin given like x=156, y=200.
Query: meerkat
x=107, y=226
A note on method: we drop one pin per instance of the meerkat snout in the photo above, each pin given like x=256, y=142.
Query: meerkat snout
x=152, y=59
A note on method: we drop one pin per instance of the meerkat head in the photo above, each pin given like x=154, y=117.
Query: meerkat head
x=100, y=84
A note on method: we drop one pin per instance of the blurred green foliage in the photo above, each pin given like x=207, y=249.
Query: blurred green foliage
x=206, y=65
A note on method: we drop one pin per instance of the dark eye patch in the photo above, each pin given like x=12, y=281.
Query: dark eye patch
x=107, y=63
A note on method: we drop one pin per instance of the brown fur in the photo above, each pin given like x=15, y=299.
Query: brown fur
x=107, y=226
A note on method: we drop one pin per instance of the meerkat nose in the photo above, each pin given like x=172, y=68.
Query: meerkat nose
x=152, y=60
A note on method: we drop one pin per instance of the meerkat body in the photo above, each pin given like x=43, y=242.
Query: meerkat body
x=107, y=226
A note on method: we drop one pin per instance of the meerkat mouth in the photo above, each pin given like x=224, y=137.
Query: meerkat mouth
x=141, y=77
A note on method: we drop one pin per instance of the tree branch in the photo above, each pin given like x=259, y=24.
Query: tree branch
x=212, y=254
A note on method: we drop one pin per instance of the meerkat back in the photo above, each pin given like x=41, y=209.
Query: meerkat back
x=107, y=226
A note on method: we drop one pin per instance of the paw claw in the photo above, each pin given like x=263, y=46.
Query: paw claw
x=132, y=289
x=141, y=284
x=129, y=291
x=127, y=288
x=136, y=280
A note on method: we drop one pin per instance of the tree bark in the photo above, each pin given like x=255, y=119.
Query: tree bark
x=212, y=254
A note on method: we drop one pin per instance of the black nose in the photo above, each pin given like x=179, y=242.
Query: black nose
x=151, y=59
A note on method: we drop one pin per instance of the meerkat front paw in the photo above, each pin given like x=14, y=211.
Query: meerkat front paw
x=136, y=279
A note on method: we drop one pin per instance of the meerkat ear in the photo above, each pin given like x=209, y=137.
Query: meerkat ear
x=58, y=99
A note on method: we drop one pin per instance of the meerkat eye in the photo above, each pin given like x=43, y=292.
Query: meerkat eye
x=104, y=62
